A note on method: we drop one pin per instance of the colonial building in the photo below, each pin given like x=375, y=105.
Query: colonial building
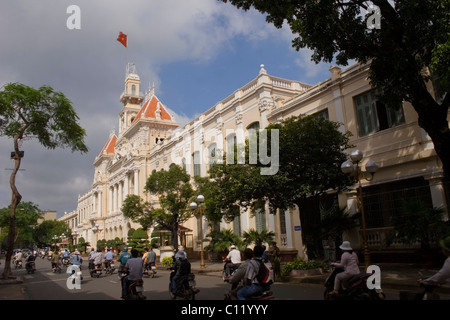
x=149, y=139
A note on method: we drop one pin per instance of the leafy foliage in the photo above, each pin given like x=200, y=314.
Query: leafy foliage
x=221, y=241
x=410, y=47
x=418, y=223
x=300, y=264
x=41, y=113
x=258, y=238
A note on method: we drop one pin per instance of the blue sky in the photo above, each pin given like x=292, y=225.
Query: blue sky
x=196, y=52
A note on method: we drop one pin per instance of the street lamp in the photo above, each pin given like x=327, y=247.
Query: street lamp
x=55, y=238
x=96, y=228
x=74, y=236
x=193, y=206
x=353, y=169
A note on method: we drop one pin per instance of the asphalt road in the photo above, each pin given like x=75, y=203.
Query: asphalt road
x=46, y=285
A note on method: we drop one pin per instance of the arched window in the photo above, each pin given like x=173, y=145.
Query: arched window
x=133, y=90
x=212, y=153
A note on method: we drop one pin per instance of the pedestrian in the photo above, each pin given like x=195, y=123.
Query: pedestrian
x=276, y=258
x=349, y=262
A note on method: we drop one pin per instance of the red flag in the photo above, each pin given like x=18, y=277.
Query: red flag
x=122, y=39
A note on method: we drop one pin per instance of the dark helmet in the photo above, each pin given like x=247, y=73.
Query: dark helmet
x=125, y=249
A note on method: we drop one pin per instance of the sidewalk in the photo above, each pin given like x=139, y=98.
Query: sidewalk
x=395, y=276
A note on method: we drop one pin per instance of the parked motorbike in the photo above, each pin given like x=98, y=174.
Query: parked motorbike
x=95, y=270
x=356, y=287
x=150, y=270
x=186, y=289
x=136, y=291
x=109, y=267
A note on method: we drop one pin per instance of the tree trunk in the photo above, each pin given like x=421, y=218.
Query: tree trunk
x=433, y=119
x=16, y=197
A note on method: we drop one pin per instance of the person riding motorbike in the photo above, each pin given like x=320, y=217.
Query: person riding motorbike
x=237, y=278
x=232, y=261
x=123, y=258
x=55, y=261
x=443, y=275
x=149, y=259
x=181, y=267
x=109, y=256
x=96, y=259
x=349, y=262
x=251, y=285
x=29, y=261
x=18, y=258
x=133, y=268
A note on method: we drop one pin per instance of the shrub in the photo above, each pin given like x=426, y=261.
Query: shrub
x=167, y=262
x=300, y=264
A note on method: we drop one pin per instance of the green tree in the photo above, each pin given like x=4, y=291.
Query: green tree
x=45, y=231
x=138, y=210
x=258, y=238
x=416, y=222
x=27, y=216
x=82, y=244
x=41, y=113
x=411, y=46
x=174, y=192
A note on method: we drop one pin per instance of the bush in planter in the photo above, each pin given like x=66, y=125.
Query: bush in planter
x=167, y=262
x=300, y=264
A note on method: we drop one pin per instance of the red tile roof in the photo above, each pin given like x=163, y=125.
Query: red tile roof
x=109, y=146
x=149, y=108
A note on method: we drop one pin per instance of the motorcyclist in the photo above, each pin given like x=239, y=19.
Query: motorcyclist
x=30, y=259
x=237, y=278
x=123, y=258
x=349, y=262
x=133, y=268
x=18, y=257
x=149, y=258
x=109, y=256
x=56, y=263
x=232, y=260
x=95, y=259
x=181, y=267
x=443, y=275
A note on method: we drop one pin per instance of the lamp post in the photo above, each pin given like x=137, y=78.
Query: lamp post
x=96, y=228
x=193, y=206
x=352, y=168
x=55, y=237
x=75, y=236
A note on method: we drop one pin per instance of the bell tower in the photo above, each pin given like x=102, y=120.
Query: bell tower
x=131, y=98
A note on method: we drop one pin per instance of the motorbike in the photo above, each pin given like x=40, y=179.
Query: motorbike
x=150, y=270
x=95, y=270
x=56, y=267
x=65, y=261
x=233, y=268
x=186, y=289
x=109, y=267
x=30, y=266
x=18, y=264
x=135, y=291
x=426, y=292
x=356, y=287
